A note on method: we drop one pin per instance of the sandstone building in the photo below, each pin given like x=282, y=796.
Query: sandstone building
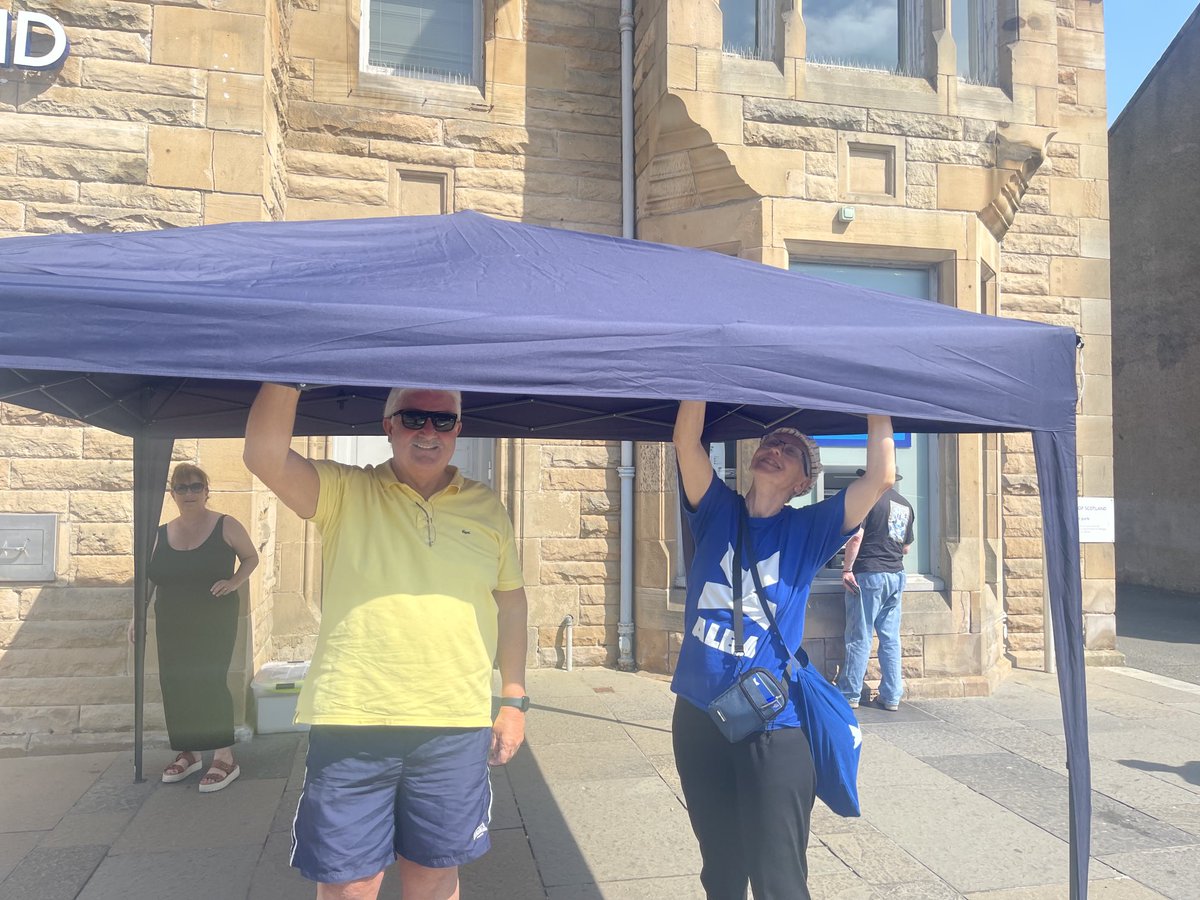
x=1156, y=346
x=952, y=150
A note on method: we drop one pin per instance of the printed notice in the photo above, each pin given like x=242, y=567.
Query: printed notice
x=1096, y=523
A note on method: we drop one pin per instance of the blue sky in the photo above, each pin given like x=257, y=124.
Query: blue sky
x=1136, y=32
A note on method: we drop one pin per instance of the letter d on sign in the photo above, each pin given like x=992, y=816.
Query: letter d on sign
x=22, y=52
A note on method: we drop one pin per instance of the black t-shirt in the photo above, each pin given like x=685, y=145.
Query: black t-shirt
x=887, y=530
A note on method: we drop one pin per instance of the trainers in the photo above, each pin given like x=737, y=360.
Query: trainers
x=890, y=707
x=853, y=703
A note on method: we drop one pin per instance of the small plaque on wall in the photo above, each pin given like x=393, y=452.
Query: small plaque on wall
x=1097, y=523
x=27, y=545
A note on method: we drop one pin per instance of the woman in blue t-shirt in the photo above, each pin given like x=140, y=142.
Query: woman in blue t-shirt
x=750, y=802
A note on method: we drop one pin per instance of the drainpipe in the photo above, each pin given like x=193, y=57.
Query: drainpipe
x=625, y=661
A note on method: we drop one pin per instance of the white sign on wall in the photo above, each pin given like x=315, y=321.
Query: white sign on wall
x=19, y=52
x=1097, y=523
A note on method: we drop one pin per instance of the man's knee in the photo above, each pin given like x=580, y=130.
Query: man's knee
x=359, y=889
x=425, y=883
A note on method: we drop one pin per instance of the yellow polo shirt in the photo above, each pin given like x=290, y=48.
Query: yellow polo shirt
x=408, y=621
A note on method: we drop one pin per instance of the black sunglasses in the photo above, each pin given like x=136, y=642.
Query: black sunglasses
x=415, y=419
x=196, y=487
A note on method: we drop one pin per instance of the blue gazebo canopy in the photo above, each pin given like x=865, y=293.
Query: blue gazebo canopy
x=549, y=333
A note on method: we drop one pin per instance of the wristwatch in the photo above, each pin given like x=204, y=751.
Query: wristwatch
x=521, y=703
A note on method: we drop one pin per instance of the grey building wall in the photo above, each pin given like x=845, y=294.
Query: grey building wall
x=1154, y=162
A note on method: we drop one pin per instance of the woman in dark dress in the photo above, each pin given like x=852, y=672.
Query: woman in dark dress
x=196, y=591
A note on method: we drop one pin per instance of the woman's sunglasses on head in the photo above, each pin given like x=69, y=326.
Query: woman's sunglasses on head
x=195, y=487
x=415, y=419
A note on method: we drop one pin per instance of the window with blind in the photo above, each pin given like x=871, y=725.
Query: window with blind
x=437, y=40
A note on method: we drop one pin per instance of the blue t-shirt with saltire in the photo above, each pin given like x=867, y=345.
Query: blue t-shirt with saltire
x=790, y=548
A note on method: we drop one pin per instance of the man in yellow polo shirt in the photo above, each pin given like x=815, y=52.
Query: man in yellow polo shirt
x=421, y=591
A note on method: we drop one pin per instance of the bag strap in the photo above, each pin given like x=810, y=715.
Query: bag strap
x=739, y=649
x=798, y=655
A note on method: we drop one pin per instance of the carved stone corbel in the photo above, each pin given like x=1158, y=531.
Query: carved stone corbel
x=1020, y=152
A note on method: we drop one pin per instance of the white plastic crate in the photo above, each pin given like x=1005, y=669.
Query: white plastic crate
x=276, y=688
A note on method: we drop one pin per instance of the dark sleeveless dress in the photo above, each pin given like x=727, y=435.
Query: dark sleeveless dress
x=196, y=632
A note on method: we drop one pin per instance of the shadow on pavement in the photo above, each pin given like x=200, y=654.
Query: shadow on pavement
x=1189, y=772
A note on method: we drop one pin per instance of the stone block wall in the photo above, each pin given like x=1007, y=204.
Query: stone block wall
x=565, y=505
x=1000, y=190
x=156, y=120
x=1156, y=322
x=539, y=142
x=66, y=664
x=1055, y=269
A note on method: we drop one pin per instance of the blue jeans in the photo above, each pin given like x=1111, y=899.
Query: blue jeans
x=876, y=607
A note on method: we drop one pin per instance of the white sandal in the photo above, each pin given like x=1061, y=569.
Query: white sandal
x=230, y=773
x=195, y=766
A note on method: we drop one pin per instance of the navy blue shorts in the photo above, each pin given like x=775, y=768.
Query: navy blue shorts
x=372, y=793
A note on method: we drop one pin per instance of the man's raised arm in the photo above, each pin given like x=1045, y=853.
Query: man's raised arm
x=694, y=465
x=880, y=475
x=268, y=453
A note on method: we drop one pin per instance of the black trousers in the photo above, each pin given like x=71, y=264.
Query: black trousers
x=750, y=804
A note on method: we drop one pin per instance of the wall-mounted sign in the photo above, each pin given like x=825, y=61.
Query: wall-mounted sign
x=1097, y=524
x=20, y=52
x=903, y=440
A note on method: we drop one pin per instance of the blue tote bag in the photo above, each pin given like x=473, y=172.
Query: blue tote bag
x=833, y=733
x=833, y=736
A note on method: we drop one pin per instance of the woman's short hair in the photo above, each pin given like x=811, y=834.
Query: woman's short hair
x=186, y=473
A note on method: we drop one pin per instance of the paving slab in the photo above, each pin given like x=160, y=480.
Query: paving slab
x=584, y=832
x=826, y=822
x=1107, y=889
x=37, y=791
x=274, y=878
x=652, y=736
x=193, y=874
x=876, y=860
x=676, y=888
x=285, y=812
x=965, y=712
x=627, y=707
x=993, y=774
x=577, y=719
x=81, y=829
x=1185, y=817
x=918, y=890
x=1171, y=872
x=52, y=873
x=595, y=761
x=505, y=812
x=884, y=765
x=871, y=714
x=926, y=739
x=268, y=756
x=13, y=847
x=507, y=871
x=843, y=887
x=1048, y=751
x=1160, y=691
x=1128, y=782
x=175, y=817
x=967, y=840
x=824, y=863
x=544, y=684
x=1118, y=828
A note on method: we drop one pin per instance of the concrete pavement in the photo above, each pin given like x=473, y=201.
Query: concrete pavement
x=1159, y=631
x=961, y=799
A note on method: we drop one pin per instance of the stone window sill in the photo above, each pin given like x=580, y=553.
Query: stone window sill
x=419, y=90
